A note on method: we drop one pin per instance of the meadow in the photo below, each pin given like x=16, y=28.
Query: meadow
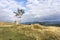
x=10, y=31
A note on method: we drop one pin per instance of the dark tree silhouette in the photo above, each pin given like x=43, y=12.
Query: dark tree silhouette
x=19, y=14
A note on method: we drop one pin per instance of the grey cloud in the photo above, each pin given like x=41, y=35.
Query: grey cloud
x=38, y=10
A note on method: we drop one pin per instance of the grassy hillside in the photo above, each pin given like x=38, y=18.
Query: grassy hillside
x=29, y=32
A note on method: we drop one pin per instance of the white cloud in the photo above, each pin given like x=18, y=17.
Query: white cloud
x=41, y=9
x=37, y=10
x=6, y=9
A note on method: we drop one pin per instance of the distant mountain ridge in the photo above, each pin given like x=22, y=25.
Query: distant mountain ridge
x=54, y=23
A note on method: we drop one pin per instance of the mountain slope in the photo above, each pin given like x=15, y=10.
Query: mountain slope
x=30, y=32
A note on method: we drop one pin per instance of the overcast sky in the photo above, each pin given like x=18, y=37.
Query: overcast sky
x=35, y=10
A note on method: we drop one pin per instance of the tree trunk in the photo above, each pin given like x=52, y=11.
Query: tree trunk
x=16, y=22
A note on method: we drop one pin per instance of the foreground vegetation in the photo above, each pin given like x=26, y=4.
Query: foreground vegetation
x=29, y=32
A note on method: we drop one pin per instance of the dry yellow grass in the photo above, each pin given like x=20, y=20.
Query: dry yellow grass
x=40, y=32
x=36, y=31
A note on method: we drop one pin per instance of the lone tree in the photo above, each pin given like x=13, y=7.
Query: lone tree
x=18, y=14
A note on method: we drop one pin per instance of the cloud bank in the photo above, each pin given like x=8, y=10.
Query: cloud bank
x=35, y=10
x=43, y=10
x=7, y=7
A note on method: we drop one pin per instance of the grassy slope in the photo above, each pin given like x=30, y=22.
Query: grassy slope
x=29, y=32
